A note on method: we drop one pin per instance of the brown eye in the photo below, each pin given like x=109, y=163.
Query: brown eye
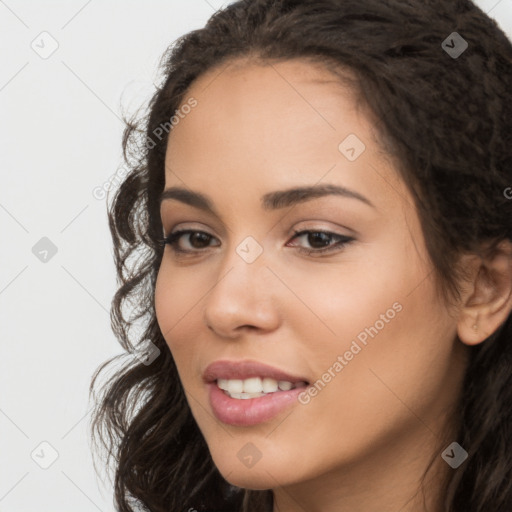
x=319, y=241
x=197, y=240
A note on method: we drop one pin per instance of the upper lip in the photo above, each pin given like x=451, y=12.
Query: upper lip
x=226, y=369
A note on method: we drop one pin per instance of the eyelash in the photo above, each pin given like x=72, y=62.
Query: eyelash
x=173, y=239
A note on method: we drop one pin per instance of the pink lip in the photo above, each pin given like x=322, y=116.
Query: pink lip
x=251, y=411
x=245, y=413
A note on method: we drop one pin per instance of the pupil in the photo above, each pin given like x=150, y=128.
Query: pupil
x=319, y=237
x=197, y=237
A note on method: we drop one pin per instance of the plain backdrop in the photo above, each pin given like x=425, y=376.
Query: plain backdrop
x=67, y=71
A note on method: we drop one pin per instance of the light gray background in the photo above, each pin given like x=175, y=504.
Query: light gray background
x=60, y=138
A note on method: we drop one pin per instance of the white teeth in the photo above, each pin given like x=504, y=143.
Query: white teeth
x=222, y=383
x=235, y=386
x=285, y=385
x=254, y=386
x=269, y=385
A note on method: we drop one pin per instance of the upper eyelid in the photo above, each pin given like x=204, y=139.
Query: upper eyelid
x=352, y=232
x=293, y=231
x=223, y=230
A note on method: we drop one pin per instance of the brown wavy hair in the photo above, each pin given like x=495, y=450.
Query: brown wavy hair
x=447, y=121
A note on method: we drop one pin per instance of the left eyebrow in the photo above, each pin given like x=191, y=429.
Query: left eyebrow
x=270, y=201
x=292, y=196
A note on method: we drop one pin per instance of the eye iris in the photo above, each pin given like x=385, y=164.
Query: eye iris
x=323, y=238
x=199, y=237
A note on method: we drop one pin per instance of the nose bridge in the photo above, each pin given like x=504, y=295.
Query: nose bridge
x=242, y=294
x=242, y=271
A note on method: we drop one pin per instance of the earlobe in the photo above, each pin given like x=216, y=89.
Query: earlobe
x=470, y=330
x=489, y=302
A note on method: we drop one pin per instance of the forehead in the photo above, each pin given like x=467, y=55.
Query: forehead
x=290, y=100
x=301, y=83
x=275, y=124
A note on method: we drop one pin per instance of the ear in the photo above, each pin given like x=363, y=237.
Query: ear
x=487, y=301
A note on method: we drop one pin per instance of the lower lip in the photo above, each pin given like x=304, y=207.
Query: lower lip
x=250, y=411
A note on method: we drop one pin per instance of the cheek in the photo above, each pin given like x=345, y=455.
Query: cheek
x=395, y=340
x=392, y=344
x=338, y=302
x=173, y=306
x=178, y=309
x=176, y=294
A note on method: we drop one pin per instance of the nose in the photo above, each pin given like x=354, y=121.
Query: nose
x=244, y=297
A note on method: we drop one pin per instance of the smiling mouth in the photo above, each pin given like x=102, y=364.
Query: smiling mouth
x=255, y=387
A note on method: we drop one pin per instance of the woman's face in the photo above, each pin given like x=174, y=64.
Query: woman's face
x=361, y=323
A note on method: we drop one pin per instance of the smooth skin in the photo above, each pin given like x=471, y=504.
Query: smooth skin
x=364, y=441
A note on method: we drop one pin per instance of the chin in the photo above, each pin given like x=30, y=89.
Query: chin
x=256, y=474
x=246, y=478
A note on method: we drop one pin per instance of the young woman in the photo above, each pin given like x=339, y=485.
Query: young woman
x=317, y=232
